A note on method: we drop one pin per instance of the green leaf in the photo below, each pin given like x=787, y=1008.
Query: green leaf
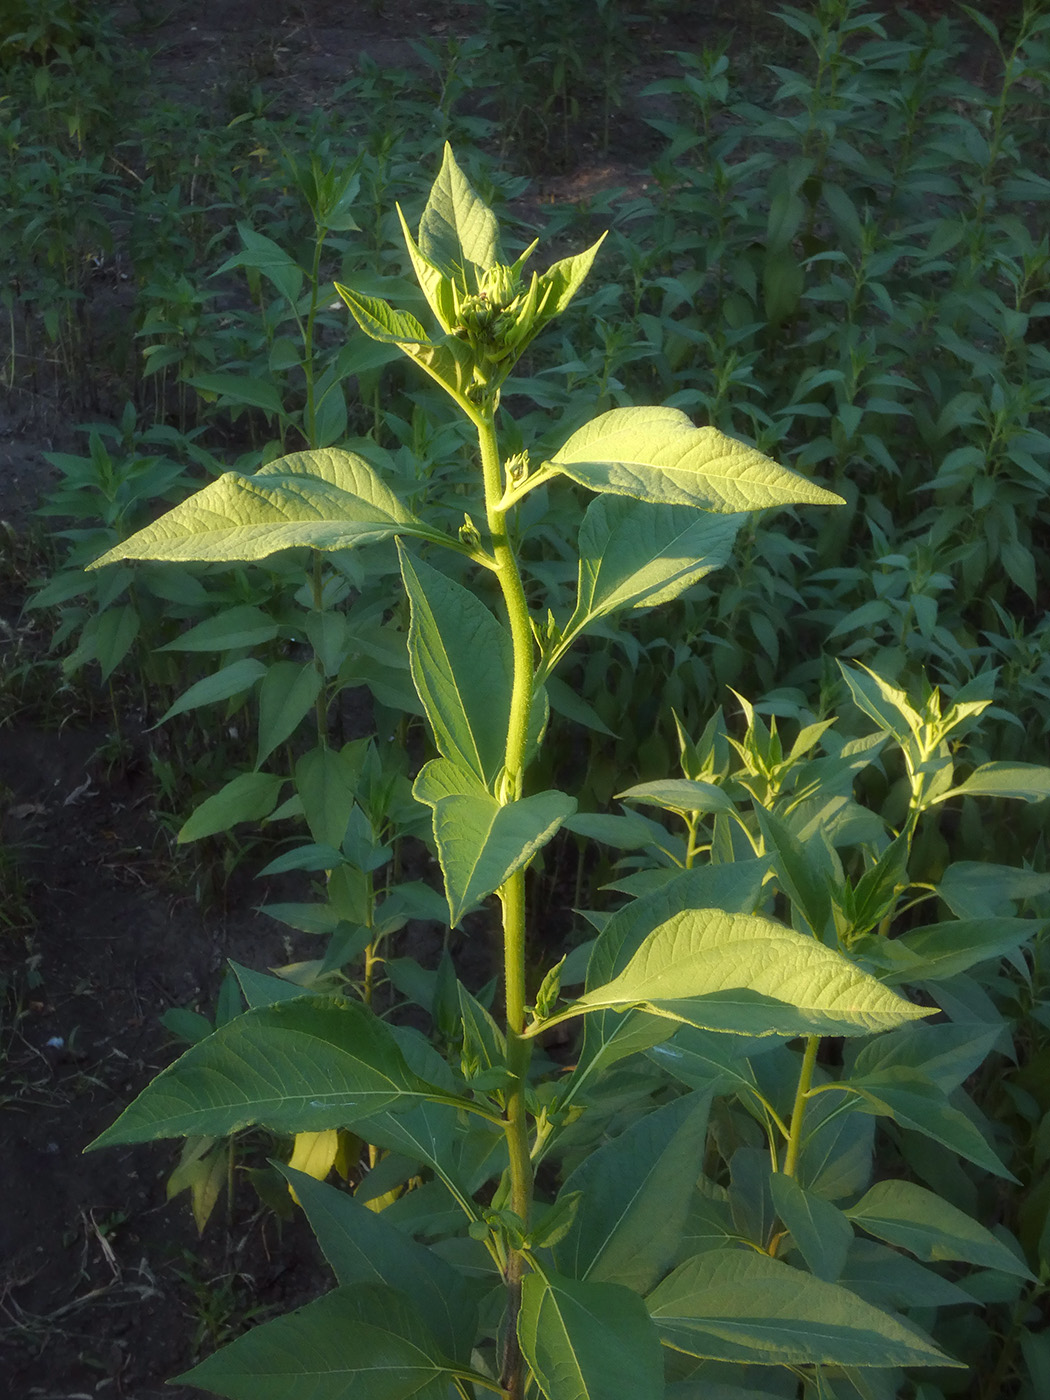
x=326, y=780
x=270, y=259
x=588, y=1341
x=657, y=455
x=247, y=798
x=287, y=694
x=915, y=1102
x=447, y=360
x=564, y=278
x=921, y=1222
x=978, y=889
x=743, y=973
x=481, y=843
x=732, y=1305
x=1029, y=782
x=636, y=1193
x=462, y=667
x=457, y=226
x=260, y=989
x=362, y=1248
x=327, y=499
x=884, y=703
x=229, y=680
x=115, y=636
x=230, y=630
x=683, y=795
x=801, y=875
x=295, y=1066
x=355, y=1343
x=241, y=389
x=940, y=951
x=609, y=1036
x=820, y=1230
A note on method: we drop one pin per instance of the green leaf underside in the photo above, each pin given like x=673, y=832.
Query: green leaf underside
x=481, y=843
x=363, y=1248
x=355, y=1343
x=462, y=668
x=732, y=1305
x=588, y=1341
x=657, y=455
x=635, y=555
x=327, y=499
x=296, y=1066
x=904, y=1214
x=743, y=973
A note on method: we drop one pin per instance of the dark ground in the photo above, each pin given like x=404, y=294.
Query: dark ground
x=105, y=1288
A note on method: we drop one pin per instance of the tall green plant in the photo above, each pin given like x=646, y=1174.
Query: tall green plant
x=571, y=1296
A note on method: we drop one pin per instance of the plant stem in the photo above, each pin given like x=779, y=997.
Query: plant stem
x=798, y=1111
x=512, y=894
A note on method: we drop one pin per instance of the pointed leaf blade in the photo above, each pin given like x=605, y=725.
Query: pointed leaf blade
x=732, y=1305
x=355, y=1343
x=457, y=226
x=462, y=667
x=657, y=455
x=744, y=973
x=362, y=1248
x=481, y=843
x=588, y=1341
x=295, y=1066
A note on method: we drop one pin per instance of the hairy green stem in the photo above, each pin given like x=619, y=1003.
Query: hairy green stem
x=798, y=1111
x=512, y=895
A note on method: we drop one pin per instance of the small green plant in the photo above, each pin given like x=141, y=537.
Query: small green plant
x=662, y=1211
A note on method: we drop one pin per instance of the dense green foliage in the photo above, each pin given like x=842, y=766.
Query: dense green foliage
x=762, y=1155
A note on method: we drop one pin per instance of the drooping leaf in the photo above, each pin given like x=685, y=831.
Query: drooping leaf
x=635, y=555
x=288, y=693
x=588, y=1341
x=819, y=1229
x=636, y=1192
x=462, y=666
x=362, y=1342
x=657, y=455
x=979, y=889
x=481, y=843
x=681, y=795
x=1028, y=782
x=940, y=951
x=915, y=1102
x=325, y=780
x=221, y=685
x=326, y=498
x=295, y=1066
x=736, y=1305
x=246, y=798
x=744, y=973
x=229, y=630
x=363, y=1248
x=921, y=1222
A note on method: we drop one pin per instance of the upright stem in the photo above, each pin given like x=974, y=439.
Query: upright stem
x=798, y=1112
x=512, y=894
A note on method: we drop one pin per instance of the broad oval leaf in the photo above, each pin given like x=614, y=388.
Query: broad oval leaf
x=588, y=1341
x=1028, y=782
x=326, y=498
x=295, y=1066
x=362, y=1342
x=657, y=455
x=740, y=972
x=736, y=1305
